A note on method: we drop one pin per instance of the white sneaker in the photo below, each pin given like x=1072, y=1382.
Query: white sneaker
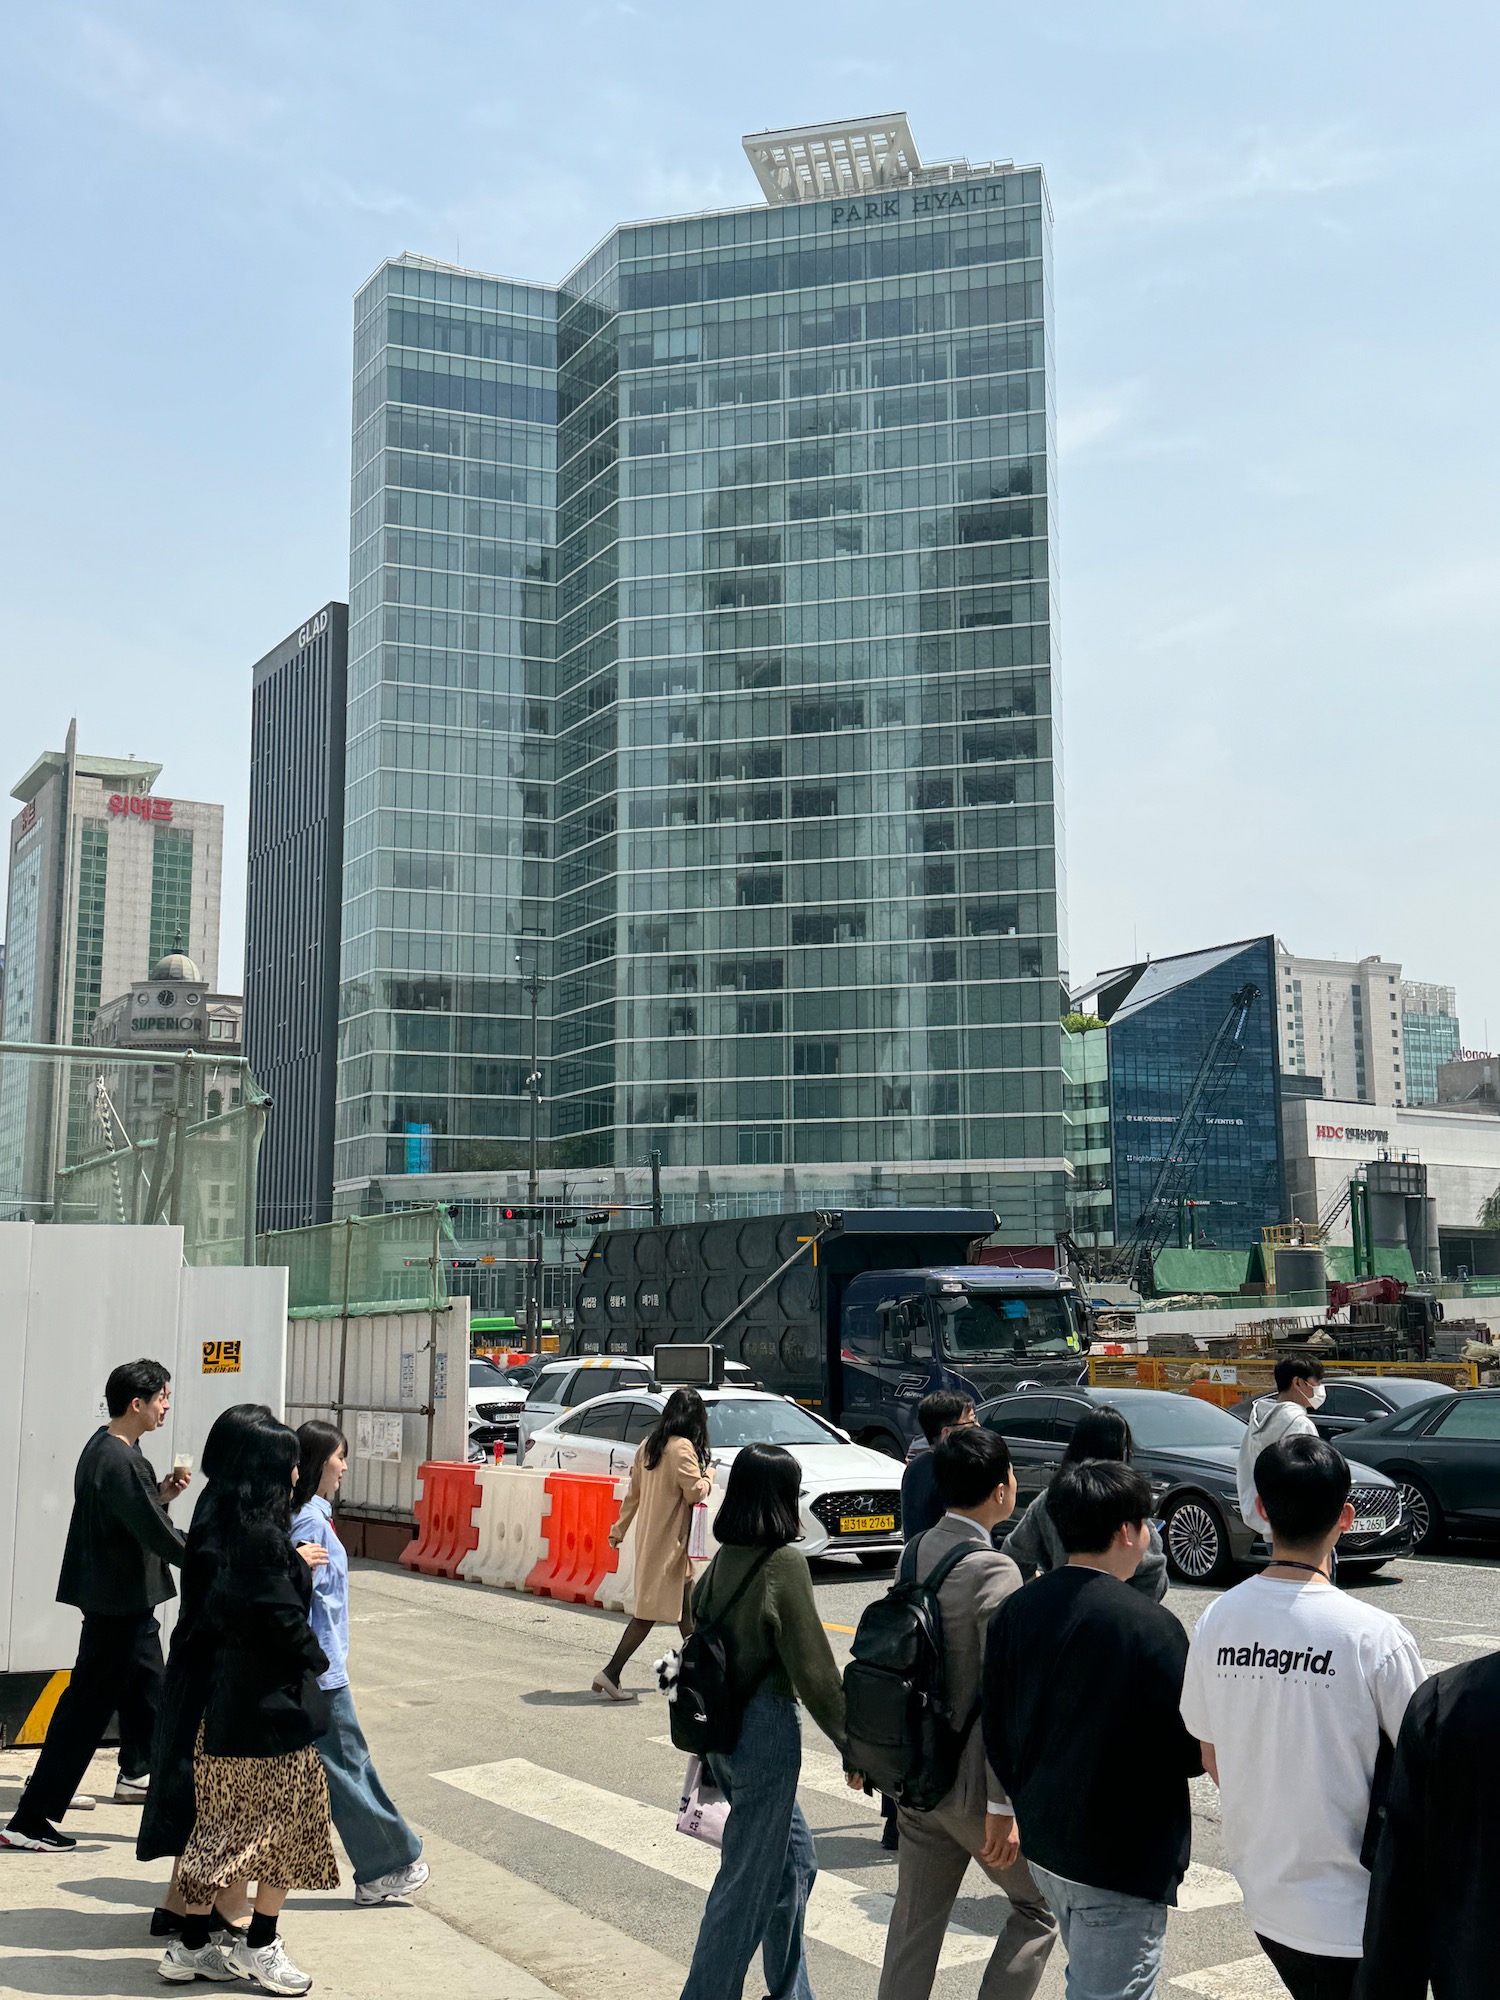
x=80, y=1802
x=400, y=1882
x=131, y=1791
x=269, y=1967
x=181, y=1966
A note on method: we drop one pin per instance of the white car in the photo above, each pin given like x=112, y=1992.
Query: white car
x=495, y=1403
x=851, y=1496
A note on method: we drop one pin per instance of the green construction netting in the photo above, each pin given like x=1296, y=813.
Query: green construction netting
x=1217, y=1271
x=365, y=1264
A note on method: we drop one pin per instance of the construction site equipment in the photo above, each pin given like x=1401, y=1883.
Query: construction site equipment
x=1226, y=1381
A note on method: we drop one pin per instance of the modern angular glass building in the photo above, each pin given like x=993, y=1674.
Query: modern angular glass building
x=1163, y=1016
x=703, y=661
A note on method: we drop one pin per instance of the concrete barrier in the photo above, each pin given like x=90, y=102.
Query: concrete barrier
x=513, y=1505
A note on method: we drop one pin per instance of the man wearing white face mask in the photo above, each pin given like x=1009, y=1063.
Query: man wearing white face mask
x=1299, y=1388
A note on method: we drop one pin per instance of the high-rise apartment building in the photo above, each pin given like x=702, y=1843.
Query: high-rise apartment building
x=703, y=662
x=1372, y=1036
x=292, y=911
x=106, y=877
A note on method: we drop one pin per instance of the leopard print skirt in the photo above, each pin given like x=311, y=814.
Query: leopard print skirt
x=260, y=1819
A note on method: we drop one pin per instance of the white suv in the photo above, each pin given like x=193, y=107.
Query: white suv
x=573, y=1379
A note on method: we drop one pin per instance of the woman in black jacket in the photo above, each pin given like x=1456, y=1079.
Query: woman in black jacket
x=170, y=1808
x=260, y=1794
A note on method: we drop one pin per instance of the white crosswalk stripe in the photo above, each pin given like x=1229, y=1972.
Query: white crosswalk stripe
x=1486, y=1639
x=820, y=1773
x=1207, y=1888
x=1241, y=1979
x=839, y=1912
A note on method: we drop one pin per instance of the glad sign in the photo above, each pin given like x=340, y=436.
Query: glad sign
x=133, y=805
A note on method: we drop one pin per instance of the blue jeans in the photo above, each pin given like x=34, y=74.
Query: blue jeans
x=767, y=1866
x=375, y=1836
x=1114, y=1942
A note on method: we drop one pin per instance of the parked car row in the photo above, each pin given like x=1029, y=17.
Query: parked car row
x=1189, y=1451
x=1426, y=1460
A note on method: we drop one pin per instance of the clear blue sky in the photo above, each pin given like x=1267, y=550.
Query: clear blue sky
x=1276, y=286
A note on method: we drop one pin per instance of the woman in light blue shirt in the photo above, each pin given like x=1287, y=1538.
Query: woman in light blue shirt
x=385, y=1853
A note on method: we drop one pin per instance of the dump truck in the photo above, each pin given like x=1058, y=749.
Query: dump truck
x=857, y=1313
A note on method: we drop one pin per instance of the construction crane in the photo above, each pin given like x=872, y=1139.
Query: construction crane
x=1135, y=1257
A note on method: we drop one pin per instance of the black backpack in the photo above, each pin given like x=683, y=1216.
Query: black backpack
x=707, y=1707
x=899, y=1729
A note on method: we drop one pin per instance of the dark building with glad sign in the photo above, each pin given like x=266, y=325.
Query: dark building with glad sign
x=292, y=906
x=703, y=662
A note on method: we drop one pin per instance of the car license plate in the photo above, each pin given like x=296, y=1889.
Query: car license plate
x=1368, y=1524
x=867, y=1524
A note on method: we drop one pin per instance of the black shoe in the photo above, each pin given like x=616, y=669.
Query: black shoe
x=38, y=1838
x=165, y=1923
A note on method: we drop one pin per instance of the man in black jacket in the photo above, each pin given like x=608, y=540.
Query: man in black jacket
x=1433, y=1915
x=114, y=1568
x=1082, y=1684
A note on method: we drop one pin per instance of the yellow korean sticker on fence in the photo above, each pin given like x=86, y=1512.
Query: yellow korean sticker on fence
x=221, y=1357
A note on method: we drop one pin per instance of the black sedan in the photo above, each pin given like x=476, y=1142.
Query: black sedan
x=1444, y=1454
x=1352, y=1401
x=1189, y=1450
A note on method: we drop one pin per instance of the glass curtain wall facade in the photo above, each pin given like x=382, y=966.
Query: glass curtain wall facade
x=448, y=746
x=803, y=825
x=1162, y=1019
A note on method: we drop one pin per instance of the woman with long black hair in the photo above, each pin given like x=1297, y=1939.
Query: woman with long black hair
x=1034, y=1543
x=170, y=1809
x=260, y=1794
x=385, y=1854
x=672, y=1473
x=758, y=1589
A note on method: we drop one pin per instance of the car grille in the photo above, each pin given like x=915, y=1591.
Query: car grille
x=1377, y=1503
x=501, y=1415
x=831, y=1508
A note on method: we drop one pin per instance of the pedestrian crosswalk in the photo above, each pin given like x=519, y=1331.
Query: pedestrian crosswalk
x=839, y=1912
x=1241, y=1979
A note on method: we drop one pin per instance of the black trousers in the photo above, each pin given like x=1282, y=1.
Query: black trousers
x=1306, y=1977
x=119, y=1670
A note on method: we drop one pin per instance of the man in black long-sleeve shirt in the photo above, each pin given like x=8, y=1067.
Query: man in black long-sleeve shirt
x=1082, y=1685
x=1433, y=1915
x=114, y=1568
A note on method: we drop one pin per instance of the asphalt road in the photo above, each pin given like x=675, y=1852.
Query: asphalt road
x=477, y=1706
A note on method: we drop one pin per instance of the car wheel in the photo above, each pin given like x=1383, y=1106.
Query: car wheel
x=1422, y=1510
x=878, y=1559
x=1197, y=1542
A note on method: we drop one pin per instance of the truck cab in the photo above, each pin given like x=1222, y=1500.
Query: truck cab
x=976, y=1328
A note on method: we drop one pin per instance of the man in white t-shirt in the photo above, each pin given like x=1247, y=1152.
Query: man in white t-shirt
x=1290, y=1685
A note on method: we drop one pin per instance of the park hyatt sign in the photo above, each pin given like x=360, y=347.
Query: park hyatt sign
x=918, y=201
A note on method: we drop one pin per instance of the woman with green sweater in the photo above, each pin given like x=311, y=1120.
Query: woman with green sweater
x=778, y=1652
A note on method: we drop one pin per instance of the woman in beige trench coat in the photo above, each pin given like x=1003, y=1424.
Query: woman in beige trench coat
x=670, y=1475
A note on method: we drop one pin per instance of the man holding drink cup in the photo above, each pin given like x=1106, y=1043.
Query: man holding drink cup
x=114, y=1568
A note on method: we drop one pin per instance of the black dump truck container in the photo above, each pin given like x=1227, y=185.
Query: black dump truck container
x=641, y=1288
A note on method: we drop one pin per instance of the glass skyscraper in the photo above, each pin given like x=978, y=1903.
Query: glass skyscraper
x=703, y=662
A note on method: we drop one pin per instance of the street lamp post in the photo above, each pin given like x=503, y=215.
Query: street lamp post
x=533, y=987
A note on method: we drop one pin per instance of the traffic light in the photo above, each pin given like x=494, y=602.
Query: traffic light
x=564, y=1224
x=598, y=1219
x=522, y=1214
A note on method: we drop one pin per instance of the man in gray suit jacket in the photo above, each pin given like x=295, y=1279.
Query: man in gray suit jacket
x=975, y=1821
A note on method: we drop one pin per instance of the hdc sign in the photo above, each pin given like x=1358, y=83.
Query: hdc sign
x=1363, y=1135
x=133, y=805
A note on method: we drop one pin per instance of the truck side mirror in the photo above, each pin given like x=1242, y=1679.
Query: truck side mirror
x=895, y=1332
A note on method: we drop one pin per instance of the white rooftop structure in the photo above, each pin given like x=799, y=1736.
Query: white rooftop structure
x=852, y=156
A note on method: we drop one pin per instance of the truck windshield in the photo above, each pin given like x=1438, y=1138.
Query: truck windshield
x=1003, y=1323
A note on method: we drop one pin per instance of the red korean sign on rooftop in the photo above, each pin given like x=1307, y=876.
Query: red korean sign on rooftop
x=134, y=805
